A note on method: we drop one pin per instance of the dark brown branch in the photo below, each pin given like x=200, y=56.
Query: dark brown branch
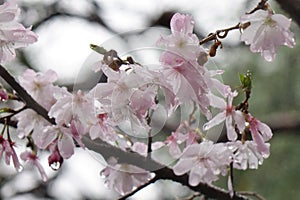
x=292, y=7
x=138, y=189
x=162, y=172
x=219, y=34
x=30, y=102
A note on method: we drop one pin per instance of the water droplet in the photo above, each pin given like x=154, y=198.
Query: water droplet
x=205, y=127
x=20, y=168
x=230, y=147
x=217, y=171
x=55, y=165
x=252, y=166
x=265, y=155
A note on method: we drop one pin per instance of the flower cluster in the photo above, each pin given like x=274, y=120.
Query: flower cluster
x=119, y=110
x=267, y=31
x=13, y=35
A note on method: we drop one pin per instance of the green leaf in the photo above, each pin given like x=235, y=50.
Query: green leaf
x=98, y=49
x=246, y=81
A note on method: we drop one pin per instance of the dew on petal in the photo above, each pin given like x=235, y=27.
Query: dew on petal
x=55, y=165
x=20, y=168
x=252, y=166
x=205, y=127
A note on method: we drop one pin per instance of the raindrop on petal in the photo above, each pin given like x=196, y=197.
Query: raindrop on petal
x=55, y=166
x=20, y=168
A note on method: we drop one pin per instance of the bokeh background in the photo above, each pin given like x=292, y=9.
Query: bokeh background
x=67, y=27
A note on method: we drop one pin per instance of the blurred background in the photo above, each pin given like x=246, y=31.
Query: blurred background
x=67, y=27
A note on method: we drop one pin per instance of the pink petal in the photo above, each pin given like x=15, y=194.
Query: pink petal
x=239, y=119
x=265, y=131
x=215, y=121
x=231, y=134
x=66, y=146
x=183, y=166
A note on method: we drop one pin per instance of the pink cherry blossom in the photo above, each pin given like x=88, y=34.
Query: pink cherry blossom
x=55, y=160
x=182, y=23
x=3, y=95
x=187, y=80
x=13, y=35
x=127, y=96
x=182, y=41
x=267, y=32
x=173, y=142
x=247, y=155
x=204, y=161
x=227, y=112
x=40, y=86
x=62, y=136
x=123, y=178
x=7, y=148
x=33, y=159
x=102, y=129
x=77, y=106
x=260, y=134
x=29, y=122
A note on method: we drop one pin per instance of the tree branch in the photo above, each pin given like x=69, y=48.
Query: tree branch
x=30, y=102
x=138, y=189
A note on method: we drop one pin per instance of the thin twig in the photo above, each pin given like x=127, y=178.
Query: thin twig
x=222, y=33
x=138, y=189
x=254, y=194
x=193, y=196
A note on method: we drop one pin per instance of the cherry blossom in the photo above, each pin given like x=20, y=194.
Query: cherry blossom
x=247, y=155
x=173, y=142
x=123, y=178
x=68, y=107
x=7, y=148
x=29, y=122
x=187, y=80
x=267, y=31
x=40, y=86
x=127, y=96
x=55, y=160
x=3, y=95
x=260, y=134
x=13, y=35
x=204, y=161
x=63, y=136
x=182, y=41
x=228, y=113
x=103, y=129
x=32, y=159
x=185, y=135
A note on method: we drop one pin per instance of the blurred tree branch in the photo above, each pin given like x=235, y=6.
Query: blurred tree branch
x=292, y=7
